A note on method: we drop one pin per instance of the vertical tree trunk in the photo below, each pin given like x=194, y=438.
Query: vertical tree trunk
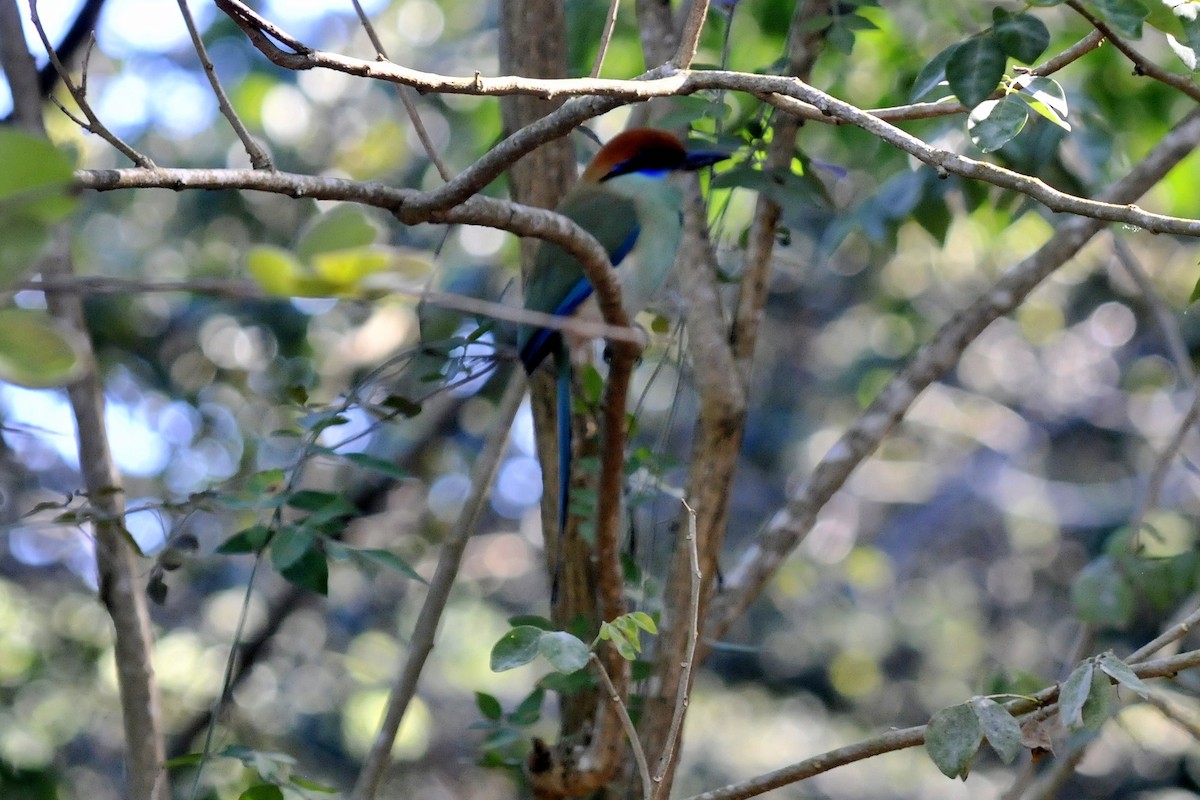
x=541, y=179
x=116, y=561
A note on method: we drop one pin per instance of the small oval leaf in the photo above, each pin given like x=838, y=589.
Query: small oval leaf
x=516, y=648
x=1119, y=671
x=566, y=653
x=952, y=738
x=993, y=123
x=975, y=69
x=1001, y=729
x=1022, y=36
x=37, y=351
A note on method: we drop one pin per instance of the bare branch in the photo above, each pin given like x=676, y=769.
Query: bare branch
x=116, y=559
x=618, y=704
x=425, y=632
x=258, y=156
x=1172, y=634
x=689, y=36
x=94, y=124
x=1179, y=354
x=241, y=290
x=914, y=737
x=689, y=658
x=406, y=98
x=792, y=523
x=1142, y=66
x=610, y=23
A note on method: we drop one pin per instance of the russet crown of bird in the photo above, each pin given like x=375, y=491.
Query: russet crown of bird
x=637, y=150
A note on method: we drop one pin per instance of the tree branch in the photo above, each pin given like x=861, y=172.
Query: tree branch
x=425, y=632
x=116, y=561
x=792, y=523
x=914, y=737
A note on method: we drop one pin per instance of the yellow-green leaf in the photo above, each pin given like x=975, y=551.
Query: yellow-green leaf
x=344, y=227
x=38, y=351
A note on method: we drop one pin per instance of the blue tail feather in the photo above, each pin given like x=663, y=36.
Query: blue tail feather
x=562, y=385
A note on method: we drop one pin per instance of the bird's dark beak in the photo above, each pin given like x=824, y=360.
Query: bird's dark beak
x=699, y=159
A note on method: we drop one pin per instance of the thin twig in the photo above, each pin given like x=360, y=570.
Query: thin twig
x=241, y=290
x=789, y=525
x=1142, y=65
x=1043, y=702
x=610, y=24
x=639, y=756
x=1179, y=354
x=258, y=156
x=406, y=98
x=1172, y=634
x=689, y=35
x=425, y=631
x=1164, y=318
x=117, y=569
x=94, y=125
x=689, y=659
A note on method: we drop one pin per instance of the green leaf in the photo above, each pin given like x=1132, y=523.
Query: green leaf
x=932, y=74
x=402, y=405
x=327, y=503
x=247, y=540
x=156, y=588
x=516, y=648
x=993, y=123
x=35, y=194
x=312, y=786
x=489, y=706
x=1119, y=671
x=289, y=546
x=1099, y=704
x=269, y=480
x=567, y=683
x=613, y=632
x=342, y=228
x=381, y=465
x=1001, y=729
x=385, y=559
x=344, y=271
x=1125, y=16
x=783, y=185
x=952, y=738
x=278, y=272
x=1022, y=36
x=262, y=791
x=188, y=760
x=643, y=621
x=1073, y=694
x=532, y=619
x=529, y=710
x=310, y=571
x=1046, y=97
x=1170, y=16
x=32, y=171
x=1195, y=295
x=566, y=653
x=1102, y=596
x=592, y=384
x=38, y=351
x=975, y=69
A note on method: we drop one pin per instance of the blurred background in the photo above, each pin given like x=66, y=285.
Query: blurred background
x=949, y=566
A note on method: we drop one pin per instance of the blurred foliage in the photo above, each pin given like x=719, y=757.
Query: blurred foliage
x=317, y=431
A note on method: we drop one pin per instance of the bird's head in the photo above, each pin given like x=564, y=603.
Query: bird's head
x=647, y=151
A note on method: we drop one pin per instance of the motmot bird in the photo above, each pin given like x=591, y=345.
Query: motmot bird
x=625, y=201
